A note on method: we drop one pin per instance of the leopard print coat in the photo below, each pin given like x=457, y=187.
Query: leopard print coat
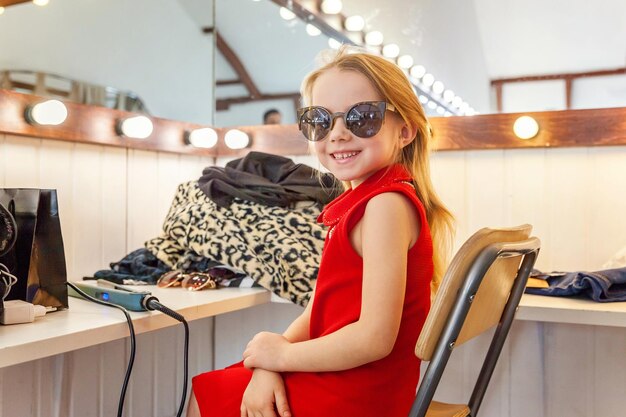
x=280, y=248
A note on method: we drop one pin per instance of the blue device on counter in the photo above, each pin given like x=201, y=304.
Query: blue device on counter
x=112, y=293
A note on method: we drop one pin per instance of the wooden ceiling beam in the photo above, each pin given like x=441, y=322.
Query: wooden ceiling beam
x=227, y=82
x=225, y=103
x=237, y=65
x=565, y=76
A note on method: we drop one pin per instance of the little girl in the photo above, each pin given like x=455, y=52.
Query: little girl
x=350, y=353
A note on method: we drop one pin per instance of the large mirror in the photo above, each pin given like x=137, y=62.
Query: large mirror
x=139, y=55
x=572, y=52
x=161, y=52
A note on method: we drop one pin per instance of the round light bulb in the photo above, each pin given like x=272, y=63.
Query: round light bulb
x=137, y=127
x=236, y=139
x=286, y=14
x=428, y=79
x=438, y=87
x=332, y=6
x=354, y=23
x=525, y=127
x=457, y=102
x=448, y=95
x=374, y=38
x=417, y=71
x=432, y=105
x=41, y=2
x=423, y=99
x=391, y=50
x=334, y=43
x=440, y=110
x=313, y=30
x=405, y=61
x=47, y=113
x=202, y=138
x=1, y=9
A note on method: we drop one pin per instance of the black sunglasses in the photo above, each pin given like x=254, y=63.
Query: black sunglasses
x=363, y=119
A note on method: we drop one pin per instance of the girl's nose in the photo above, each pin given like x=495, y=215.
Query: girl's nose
x=339, y=131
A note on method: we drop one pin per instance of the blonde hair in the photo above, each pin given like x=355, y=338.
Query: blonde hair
x=394, y=87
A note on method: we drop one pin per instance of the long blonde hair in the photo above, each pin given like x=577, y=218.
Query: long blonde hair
x=394, y=87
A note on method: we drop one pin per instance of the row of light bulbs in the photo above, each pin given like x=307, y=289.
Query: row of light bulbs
x=54, y=113
x=375, y=39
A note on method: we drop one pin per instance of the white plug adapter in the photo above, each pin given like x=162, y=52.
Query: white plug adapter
x=18, y=311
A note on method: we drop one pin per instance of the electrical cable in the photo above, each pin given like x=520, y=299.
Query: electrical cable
x=8, y=279
x=152, y=303
x=131, y=359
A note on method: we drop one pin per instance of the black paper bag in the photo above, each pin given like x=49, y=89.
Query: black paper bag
x=38, y=258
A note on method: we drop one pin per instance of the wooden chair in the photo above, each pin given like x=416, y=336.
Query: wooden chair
x=481, y=288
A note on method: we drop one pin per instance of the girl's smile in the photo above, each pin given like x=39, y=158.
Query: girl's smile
x=350, y=157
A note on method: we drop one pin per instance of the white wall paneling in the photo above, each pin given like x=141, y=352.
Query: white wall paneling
x=87, y=382
x=112, y=200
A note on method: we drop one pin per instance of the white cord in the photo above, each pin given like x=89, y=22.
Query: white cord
x=8, y=278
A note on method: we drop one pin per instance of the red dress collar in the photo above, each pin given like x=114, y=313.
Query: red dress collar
x=334, y=211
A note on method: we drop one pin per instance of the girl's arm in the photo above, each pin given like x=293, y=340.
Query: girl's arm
x=298, y=330
x=389, y=227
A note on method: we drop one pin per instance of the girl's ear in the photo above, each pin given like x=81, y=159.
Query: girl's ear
x=407, y=134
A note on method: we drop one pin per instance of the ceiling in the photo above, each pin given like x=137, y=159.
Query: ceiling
x=504, y=38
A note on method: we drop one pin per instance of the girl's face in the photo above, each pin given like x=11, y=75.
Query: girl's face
x=349, y=157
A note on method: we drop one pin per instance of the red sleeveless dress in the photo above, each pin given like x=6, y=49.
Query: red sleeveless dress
x=382, y=388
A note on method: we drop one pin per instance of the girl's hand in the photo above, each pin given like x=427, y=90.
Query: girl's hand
x=265, y=396
x=266, y=350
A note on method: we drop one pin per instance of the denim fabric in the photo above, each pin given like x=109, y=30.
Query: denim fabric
x=139, y=265
x=142, y=267
x=602, y=286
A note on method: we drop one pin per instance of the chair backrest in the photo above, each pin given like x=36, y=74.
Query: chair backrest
x=481, y=288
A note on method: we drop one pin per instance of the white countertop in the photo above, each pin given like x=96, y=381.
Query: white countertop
x=86, y=324
x=571, y=310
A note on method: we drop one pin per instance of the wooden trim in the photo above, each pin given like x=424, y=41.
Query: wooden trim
x=568, y=93
x=499, y=102
x=567, y=128
x=547, y=77
x=237, y=65
x=276, y=139
x=7, y=3
x=93, y=125
x=96, y=125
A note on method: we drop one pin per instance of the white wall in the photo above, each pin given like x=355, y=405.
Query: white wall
x=151, y=47
x=111, y=200
x=536, y=37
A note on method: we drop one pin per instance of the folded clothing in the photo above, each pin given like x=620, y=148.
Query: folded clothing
x=140, y=267
x=267, y=179
x=602, y=286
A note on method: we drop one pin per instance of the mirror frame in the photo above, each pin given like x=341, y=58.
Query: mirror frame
x=96, y=125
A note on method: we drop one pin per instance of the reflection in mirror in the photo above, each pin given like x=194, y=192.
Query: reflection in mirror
x=141, y=55
x=260, y=62
x=494, y=55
